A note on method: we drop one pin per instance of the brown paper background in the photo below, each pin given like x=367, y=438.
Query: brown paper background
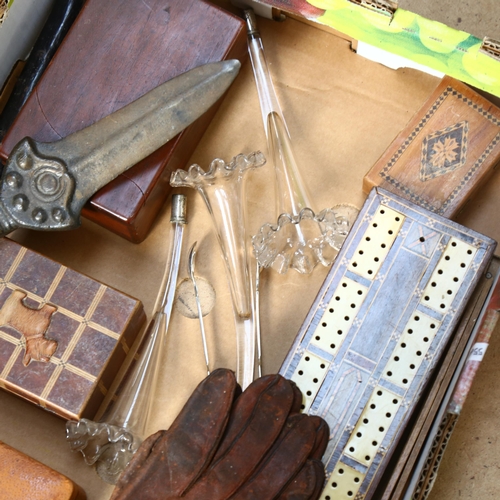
x=342, y=112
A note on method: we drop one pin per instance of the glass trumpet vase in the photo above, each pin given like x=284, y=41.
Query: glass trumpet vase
x=302, y=237
x=110, y=443
x=222, y=188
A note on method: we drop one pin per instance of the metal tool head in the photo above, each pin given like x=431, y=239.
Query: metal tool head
x=45, y=185
x=191, y=260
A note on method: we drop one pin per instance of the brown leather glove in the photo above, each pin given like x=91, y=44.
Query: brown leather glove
x=228, y=445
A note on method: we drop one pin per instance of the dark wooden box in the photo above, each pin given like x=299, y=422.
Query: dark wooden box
x=84, y=330
x=115, y=52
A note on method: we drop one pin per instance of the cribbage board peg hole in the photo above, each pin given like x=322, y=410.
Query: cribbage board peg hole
x=372, y=426
x=343, y=483
x=308, y=376
x=450, y=273
x=377, y=241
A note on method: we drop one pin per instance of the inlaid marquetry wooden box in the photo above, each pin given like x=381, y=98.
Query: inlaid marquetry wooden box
x=63, y=335
x=445, y=153
x=378, y=330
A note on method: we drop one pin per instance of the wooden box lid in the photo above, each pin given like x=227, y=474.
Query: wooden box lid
x=63, y=335
x=447, y=150
x=23, y=477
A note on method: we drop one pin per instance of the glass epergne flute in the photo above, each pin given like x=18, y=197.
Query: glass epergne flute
x=302, y=237
x=110, y=443
x=222, y=188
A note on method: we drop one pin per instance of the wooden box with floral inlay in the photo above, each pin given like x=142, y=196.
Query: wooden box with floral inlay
x=447, y=150
x=63, y=335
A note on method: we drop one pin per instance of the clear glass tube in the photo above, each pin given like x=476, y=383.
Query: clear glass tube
x=301, y=238
x=133, y=408
x=291, y=195
x=111, y=442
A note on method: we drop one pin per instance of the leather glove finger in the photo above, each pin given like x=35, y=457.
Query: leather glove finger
x=307, y=484
x=322, y=437
x=245, y=406
x=256, y=422
x=283, y=461
x=297, y=402
x=138, y=460
x=171, y=461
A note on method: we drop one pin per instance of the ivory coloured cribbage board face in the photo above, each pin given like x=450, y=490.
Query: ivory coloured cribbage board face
x=63, y=335
x=377, y=329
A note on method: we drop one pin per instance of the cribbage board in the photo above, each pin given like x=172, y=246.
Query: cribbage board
x=377, y=329
x=90, y=325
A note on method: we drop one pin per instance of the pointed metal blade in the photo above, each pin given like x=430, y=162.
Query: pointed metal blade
x=102, y=151
x=45, y=185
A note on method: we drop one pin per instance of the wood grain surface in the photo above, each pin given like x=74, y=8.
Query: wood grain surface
x=63, y=336
x=115, y=52
x=445, y=153
x=22, y=477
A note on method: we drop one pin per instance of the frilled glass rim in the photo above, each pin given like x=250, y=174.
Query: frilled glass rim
x=80, y=434
x=328, y=223
x=195, y=175
x=305, y=214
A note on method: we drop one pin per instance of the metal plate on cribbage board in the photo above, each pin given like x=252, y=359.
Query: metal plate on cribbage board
x=376, y=330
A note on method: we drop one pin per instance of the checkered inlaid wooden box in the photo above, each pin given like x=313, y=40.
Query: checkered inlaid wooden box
x=63, y=335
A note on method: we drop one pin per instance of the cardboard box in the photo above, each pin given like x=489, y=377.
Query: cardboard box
x=342, y=112
x=394, y=28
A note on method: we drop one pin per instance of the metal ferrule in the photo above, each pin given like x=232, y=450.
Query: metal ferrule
x=179, y=209
x=251, y=23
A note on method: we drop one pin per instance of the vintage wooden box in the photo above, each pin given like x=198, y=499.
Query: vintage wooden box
x=146, y=43
x=342, y=111
x=63, y=336
x=378, y=331
x=22, y=477
x=445, y=153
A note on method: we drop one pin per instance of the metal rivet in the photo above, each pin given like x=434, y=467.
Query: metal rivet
x=58, y=214
x=13, y=180
x=24, y=161
x=39, y=215
x=20, y=202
